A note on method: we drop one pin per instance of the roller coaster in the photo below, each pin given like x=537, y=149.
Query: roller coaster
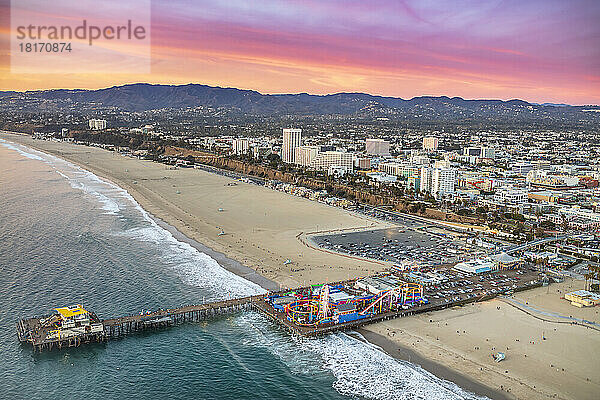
x=316, y=305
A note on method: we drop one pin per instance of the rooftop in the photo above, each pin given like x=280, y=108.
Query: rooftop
x=71, y=311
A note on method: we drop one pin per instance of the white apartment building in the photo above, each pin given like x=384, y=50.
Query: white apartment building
x=377, y=147
x=443, y=181
x=409, y=170
x=400, y=169
x=438, y=181
x=426, y=179
x=292, y=138
x=441, y=164
x=521, y=168
x=240, y=146
x=327, y=159
x=304, y=155
x=430, y=143
x=97, y=124
x=391, y=168
x=510, y=196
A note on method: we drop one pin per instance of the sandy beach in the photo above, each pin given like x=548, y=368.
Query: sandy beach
x=264, y=228
x=563, y=365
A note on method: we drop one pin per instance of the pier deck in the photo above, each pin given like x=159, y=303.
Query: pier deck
x=116, y=327
x=33, y=331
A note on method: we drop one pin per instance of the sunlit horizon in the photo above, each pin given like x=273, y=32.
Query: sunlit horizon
x=538, y=51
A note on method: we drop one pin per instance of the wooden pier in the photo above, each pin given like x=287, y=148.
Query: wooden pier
x=117, y=327
x=31, y=330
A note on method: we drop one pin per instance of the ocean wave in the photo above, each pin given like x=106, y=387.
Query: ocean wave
x=359, y=367
x=193, y=267
x=96, y=187
x=363, y=369
x=29, y=154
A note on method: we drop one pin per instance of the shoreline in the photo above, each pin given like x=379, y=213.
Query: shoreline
x=404, y=353
x=255, y=244
x=385, y=345
x=225, y=262
x=261, y=243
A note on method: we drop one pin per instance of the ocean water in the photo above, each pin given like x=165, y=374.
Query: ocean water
x=67, y=236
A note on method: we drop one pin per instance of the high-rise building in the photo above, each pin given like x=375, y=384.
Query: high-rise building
x=430, y=143
x=391, y=168
x=377, y=147
x=482, y=152
x=488, y=152
x=472, y=151
x=292, y=138
x=362, y=163
x=240, y=146
x=426, y=177
x=437, y=181
x=304, y=155
x=442, y=182
x=97, y=124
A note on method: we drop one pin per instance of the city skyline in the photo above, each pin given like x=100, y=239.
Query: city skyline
x=502, y=50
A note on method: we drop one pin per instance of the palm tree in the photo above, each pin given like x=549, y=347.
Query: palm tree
x=587, y=276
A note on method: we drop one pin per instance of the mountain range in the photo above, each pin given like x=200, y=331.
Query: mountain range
x=144, y=97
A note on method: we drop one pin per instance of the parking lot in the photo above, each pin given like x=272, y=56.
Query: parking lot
x=461, y=286
x=398, y=244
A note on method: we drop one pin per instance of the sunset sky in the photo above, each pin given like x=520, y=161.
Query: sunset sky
x=536, y=50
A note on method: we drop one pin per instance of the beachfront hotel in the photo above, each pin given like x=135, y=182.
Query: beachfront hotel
x=304, y=155
x=292, y=138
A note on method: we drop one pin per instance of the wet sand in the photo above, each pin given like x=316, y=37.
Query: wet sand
x=258, y=227
x=405, y=353
x=225, y=262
